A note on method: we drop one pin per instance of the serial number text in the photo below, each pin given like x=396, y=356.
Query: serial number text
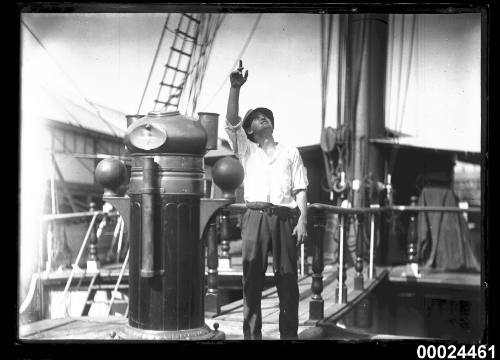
x=456, y=352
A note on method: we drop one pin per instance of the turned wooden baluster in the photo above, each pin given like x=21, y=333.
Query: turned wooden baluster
x=316, y=305
x=358, y=278
x=341, y=291
x=92, y=259
x=225, y=257
x=412, y=265
x=212, y=303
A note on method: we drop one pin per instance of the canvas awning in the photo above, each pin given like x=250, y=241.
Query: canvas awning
x=413, y=143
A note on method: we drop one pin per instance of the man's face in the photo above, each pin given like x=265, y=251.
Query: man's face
x=260, y=122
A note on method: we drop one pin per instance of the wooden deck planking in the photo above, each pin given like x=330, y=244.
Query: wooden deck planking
x=43, y=325
x=305, y=293
x=230, y=320
x=270, y=300
x=77, y=328
x=269, y=303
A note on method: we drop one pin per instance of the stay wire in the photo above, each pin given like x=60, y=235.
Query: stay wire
x=325, y=38
x=155, y=57
x=325, y=62
x=410, y=60
x=400, y=69
x=240, y=55
x=99, y=115
x=203, y=59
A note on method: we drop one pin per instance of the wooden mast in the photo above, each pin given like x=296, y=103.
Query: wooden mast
x=366, y=61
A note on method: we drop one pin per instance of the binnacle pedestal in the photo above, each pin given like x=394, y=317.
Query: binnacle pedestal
x=162, y=213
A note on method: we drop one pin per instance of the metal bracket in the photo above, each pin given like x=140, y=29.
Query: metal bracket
x=122, y=204
x=208, y=207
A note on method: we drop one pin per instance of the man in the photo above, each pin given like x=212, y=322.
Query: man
x=275, y=194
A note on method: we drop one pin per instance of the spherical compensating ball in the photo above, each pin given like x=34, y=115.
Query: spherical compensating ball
x=228, y=174
x=111, y=173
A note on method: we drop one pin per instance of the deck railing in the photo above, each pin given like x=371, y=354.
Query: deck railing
x=318, y=212
x=90, y=240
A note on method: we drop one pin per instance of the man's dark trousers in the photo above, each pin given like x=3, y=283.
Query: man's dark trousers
x=262, y=231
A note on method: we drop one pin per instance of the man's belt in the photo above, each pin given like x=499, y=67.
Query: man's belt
x=271, y=209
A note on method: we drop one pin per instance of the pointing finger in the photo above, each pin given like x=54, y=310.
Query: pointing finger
x=241, y=65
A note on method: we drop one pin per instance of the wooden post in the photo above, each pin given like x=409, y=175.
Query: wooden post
x=92, y=260
x=412, y=265
x=316, y=305
x=358, y=279
x=341, y=291
x=212, y=304
x=225, y=258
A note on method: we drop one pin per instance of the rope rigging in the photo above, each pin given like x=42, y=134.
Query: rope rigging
x=408, y=72
x=325, y=38
x=92, y=105
x=155, y=57
x=400, y=80
x=333, y=142
x=188, y=66
x=57, y=98
x=240, y=55
x=400, y=69
x=180, y=68
x=209, y=33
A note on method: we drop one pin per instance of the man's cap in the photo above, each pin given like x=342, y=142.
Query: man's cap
x=247, y=119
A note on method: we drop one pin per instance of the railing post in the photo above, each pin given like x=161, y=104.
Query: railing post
x=225, y=258
x=412, y=265
x=302, y=260
x=77, y=260
x=358, y=279
x=49, y=245
x=118, y=281
x=212, y=304
x=371, y=268
x=316, y=305
x=92, y=260
x=341, y=291
x=120, y=239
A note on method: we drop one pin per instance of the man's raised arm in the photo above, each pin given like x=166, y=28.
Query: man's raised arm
x=237, y=80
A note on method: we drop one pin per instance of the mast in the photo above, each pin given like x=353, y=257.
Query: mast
x=366, y=66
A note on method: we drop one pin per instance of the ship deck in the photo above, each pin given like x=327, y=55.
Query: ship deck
x=230, y=319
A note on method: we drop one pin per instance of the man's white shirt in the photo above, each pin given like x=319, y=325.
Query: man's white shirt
x=269, y=179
